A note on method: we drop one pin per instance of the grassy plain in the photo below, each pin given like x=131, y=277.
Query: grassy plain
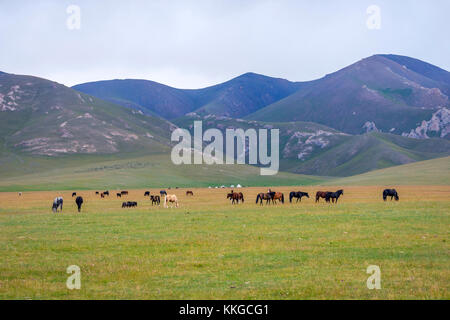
x=210, y=249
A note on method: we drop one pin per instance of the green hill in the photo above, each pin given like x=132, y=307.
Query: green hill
x=429, y=172
x=314, y=149
x=152, y=171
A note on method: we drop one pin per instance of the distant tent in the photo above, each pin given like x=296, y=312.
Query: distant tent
x=232, y=186
x=238, y=186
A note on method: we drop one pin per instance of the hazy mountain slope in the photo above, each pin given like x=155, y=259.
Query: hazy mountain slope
x=236, y=97
x=379, y=90
x=242, y=95
x=42, y=117
x=148, y=96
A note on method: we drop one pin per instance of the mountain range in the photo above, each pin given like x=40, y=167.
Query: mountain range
x=382, y=111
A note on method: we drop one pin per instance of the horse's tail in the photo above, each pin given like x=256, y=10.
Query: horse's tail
x=290, y=197
x=282, y=198
x=396, y=196
x=257, y=198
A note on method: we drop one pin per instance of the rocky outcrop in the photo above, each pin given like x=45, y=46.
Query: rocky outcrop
x=370, y=126
x=437, y=126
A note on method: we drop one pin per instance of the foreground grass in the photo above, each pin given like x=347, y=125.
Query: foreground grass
x=208, y=249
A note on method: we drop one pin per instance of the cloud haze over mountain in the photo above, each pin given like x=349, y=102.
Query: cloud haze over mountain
x=192, y=44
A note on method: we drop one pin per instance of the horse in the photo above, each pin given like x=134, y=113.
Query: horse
x=20, y=194
x=321, y=194
x=124, y=193
x=189, y=193
x=170, y=198
x=235, y=197
x=263, y=196
x=102, y=195
x=334, y=196
x=147, y=193
x=298, y=195
x=58, y=202
x=74, y=194
x=106, y=193
x=96, y=192
x=118, y=195
x=155, y=199
x=129, y=204
x=276, y=196
x=162, y=192
x=390, y=193
x=79, y=202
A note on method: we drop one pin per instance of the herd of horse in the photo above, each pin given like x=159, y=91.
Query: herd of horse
x=270, y=197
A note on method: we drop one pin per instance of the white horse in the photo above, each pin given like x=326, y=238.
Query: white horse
x=170, y=198
x=58, y=202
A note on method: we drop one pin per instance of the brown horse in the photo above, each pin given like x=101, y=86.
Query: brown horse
x=189, y=193
x=277, y=196
x=321, y=194
x=235, y=196
x=263, y=196
x=155, y=199
x=124, y=193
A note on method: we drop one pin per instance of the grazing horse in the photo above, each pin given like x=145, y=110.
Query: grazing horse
x=124, y=193
x=79, y=202
x=276, y=196
x=74, y=194
x=170, y=198
x=147, y=193
x=235, y=196
x=321, y=194
x=102, y=195
x=162, y=192
x=106, y=193
x=390, y=193
x=263, y=196
x=119, y=195
x=129, y=204
x=298, y=195
x=155, y=199
x=20, y=194
x=334, y=196
x=96, y=192
x=189, y=193
x=58, y=202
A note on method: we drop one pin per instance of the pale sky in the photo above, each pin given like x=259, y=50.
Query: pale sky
x=197, y=43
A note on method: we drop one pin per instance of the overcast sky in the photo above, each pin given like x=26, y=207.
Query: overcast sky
x=192, y=44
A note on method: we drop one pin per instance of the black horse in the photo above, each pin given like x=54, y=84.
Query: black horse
x=390, y=193
x=74, y=194
x=147, y=193
x=129, y=204
x=106, y=193
x=79, y=202
x=57, y=203
x=163, y=192
x=334, y=196
x=298, y=195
